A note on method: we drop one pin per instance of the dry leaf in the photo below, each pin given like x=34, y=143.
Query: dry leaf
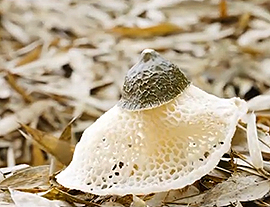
x=57, y=194
x=37, y=156
x=239, y=187
x=5, y=91
x=22, y=199
x=24, y=116
x=239, y=141
x=5, y=199
x=60, y=149
x=16, y=31
x=8, y=171
x=137, y=202
x=223, y=13
x=259, y=103
x=12, y=82
x=31, y=56
x=158, y=30
x=243, y=23
x=227, y=56
x=172, y=196
x=65, y=136
x=111, y=204
x=29, y=178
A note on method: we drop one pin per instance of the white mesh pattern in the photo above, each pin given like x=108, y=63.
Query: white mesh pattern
x=155, y=150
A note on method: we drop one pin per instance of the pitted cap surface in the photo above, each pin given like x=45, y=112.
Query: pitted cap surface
x=152, y=82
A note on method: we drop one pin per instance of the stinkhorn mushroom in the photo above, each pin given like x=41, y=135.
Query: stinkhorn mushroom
x=164, y=133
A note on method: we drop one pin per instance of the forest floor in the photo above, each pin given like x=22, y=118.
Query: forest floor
x=64, y=59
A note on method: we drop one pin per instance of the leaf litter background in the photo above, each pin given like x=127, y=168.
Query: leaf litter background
x=66, y=59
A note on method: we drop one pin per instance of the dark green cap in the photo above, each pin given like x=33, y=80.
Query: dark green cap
x=151, y=82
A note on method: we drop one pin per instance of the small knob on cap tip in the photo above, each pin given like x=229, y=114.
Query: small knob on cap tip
x=148, y=54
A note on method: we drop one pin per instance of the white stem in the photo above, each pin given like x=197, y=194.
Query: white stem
x=253, y=142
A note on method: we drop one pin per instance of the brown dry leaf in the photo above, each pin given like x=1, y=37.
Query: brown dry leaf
x=57, y=194
x=60, y=149
x=12, y=82
x=243, y=23
x=223, y=13
x=29, y=178
x=37, y=156
x=136, y=32
x=65, y=136
x=125, y=200
x=31, y=56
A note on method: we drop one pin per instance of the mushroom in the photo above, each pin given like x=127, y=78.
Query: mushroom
x=164, y=133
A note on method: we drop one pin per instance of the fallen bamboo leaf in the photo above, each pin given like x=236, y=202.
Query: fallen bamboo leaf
x=66, y=134
x=111, y=204
x=55, y=165
x=258, y=103
x=5, y=199
x=16, y=31
x=136, y=32
x=6, y=91
x=172, y=196
x=239, y=141
x=240, y=187
x=37, y=156
x=245, y=161
x=30, y=56
x=23, y=199
x=31, y=177
x=8, y=171
x=223, y=10
x=57, y=194
x=137, y=202
x=243, y=23
x=12, y=82
x=24, y=116
x=60, y=149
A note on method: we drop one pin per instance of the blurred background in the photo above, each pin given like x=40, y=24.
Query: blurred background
x=61, y=59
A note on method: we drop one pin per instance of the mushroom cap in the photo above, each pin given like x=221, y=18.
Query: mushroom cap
x=148, y=151
x=151, y=82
